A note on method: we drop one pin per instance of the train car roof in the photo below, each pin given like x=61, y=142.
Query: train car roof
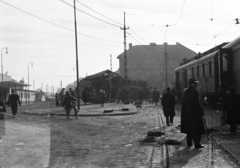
x=197, y=61
x=232, y=43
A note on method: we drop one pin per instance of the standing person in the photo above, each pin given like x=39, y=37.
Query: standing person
x=168, y=103
x=71, y=92
x=231, y=106
x=156, y=95
x=84, y=96
x=102, y=97
x=14, y=101
x=67, y=103
x=123, y=94
x=61, y=96
x=56, y=99
x=192, y=122
x=140, y=95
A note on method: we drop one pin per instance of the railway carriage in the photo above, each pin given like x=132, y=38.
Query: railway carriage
x=220, y=64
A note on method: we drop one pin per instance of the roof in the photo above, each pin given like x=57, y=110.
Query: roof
x=7, y=84
x=101, y=74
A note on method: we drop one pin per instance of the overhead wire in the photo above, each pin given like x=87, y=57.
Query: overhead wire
x=180, y=13
x=55, y=23
x=111, y=6
x=99, y=13
x=90, y=14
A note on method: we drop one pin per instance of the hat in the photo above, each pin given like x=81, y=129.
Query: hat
x=192, y=80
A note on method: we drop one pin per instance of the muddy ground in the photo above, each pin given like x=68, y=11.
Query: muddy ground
x=91, y=142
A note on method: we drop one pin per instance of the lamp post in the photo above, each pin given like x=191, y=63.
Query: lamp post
x=28, y=82
x=2, y=69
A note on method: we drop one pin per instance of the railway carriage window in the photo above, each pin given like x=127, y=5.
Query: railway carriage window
x=197, y=71
x=225, y=68
x=210, y=68
x=203, y=69
x=192, y=71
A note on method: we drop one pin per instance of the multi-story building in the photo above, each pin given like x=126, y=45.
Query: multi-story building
x=154, y=63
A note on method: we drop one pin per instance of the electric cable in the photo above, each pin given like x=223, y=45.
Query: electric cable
x=55, y=23
x=90, y=14
x=180, y=13
x=111, y=6
x=99, y=13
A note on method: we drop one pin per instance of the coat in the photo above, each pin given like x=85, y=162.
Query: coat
x=168, y=103
x=231, y=106
x=156, y=95
x=192, y=121
x=67, y=101
x=14, y=100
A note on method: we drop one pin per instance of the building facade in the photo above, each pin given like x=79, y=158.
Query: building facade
x=154, y=63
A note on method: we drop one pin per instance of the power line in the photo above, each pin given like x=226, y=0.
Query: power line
x=98, y=13
x=90, y=14
x=55, y=23
x=111, y=6
x=180, y=13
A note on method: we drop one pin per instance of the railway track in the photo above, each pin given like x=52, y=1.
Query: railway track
x=160, y=154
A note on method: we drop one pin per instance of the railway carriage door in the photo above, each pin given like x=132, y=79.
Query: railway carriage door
x=225, y=67
x=185, y=77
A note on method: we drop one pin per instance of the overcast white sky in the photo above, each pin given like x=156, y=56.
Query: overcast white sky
x=42, y=32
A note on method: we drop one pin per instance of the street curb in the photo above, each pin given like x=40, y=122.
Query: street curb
x=84, y=114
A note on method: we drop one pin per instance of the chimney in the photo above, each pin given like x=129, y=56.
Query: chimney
x=130, y=45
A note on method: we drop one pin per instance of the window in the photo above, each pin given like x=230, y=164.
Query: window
x=210, y=68
x=192, y=71
x=197, y=71
x=203, y=69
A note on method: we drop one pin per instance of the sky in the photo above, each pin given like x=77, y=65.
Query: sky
x=42, y=33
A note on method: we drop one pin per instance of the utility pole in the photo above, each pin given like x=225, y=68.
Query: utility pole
x=111, y=62
x=61, y=84
x=75, y=22
x=125, y=57
x=166, y=64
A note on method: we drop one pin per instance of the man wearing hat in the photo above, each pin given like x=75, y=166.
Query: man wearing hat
x=14, y=101
x=192, y=122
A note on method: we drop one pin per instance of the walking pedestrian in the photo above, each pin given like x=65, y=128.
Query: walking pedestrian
x=231, y=106
x=192, y=121
x=14, y=101
x=168, y=103
x=102, y=97
x=67, y=103
x=156, y=95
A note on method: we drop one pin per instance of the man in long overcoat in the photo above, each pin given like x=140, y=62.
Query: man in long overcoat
x=231, y=106
x=156, y=95
x=168, y=103
x=192, y=121
x=14, y=101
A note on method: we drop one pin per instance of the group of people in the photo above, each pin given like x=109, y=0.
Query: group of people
x=67, y=100
x=230, y=106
